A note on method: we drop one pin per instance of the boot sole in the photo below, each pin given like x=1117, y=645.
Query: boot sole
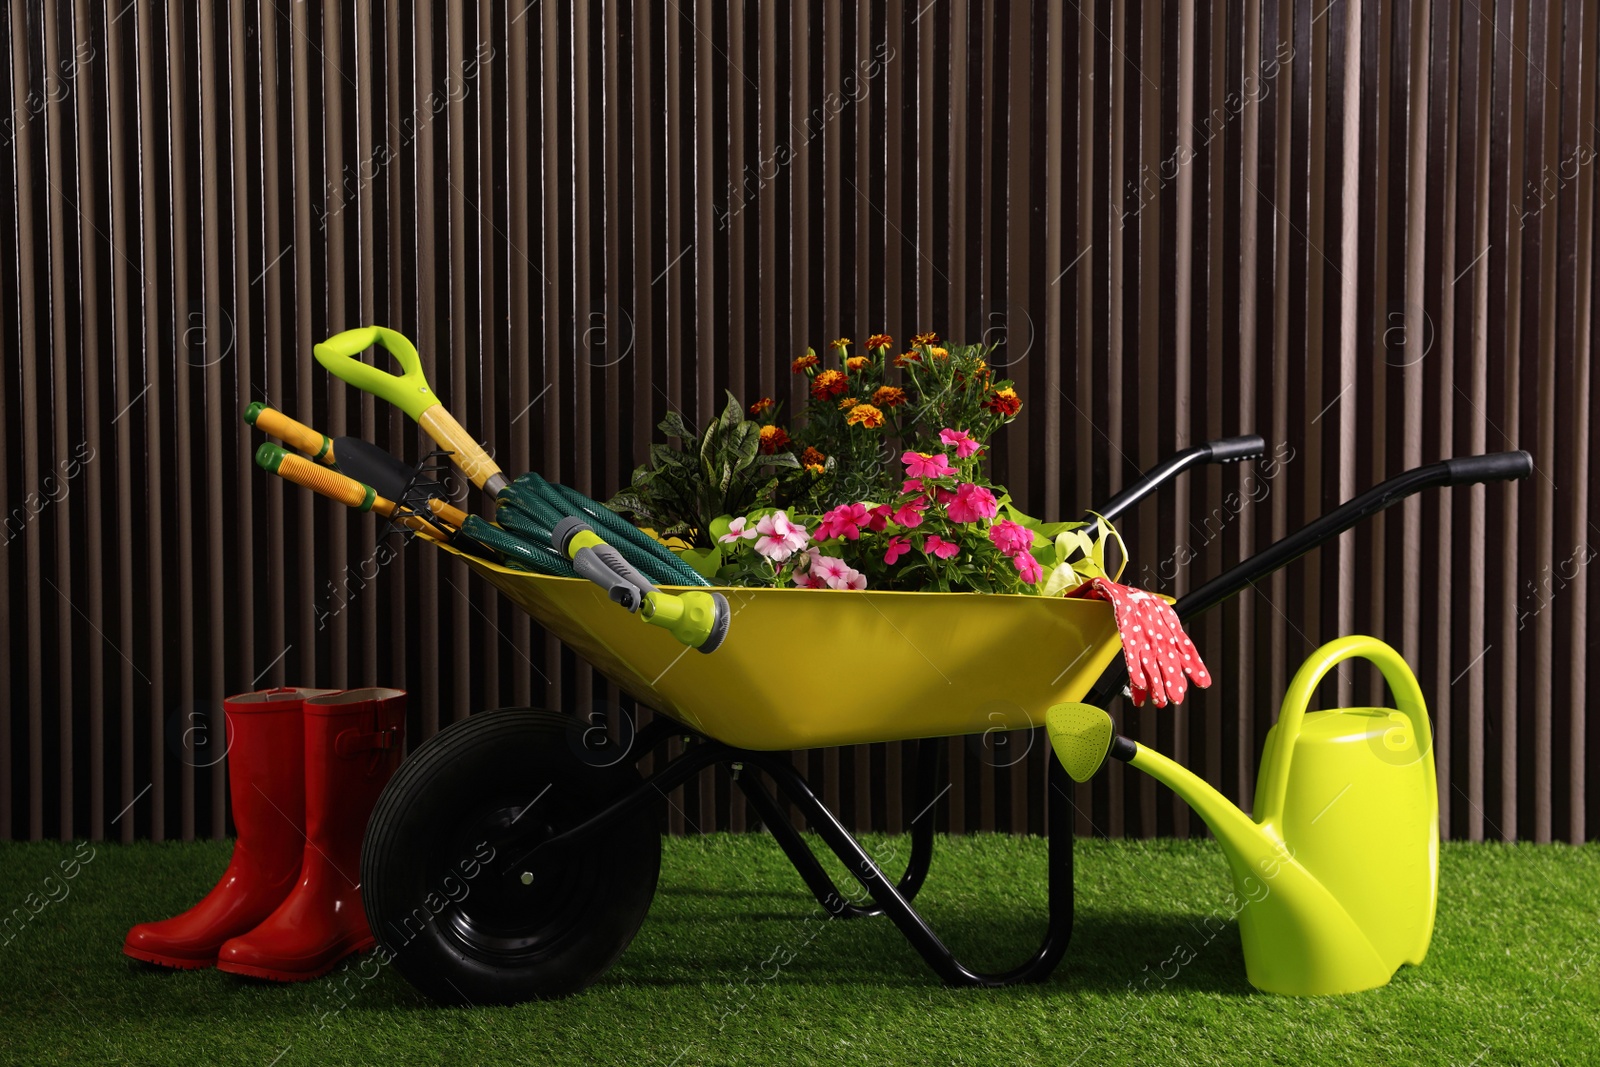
x=175, y=963
x=278, y=974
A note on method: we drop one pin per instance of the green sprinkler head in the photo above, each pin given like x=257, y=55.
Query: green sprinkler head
x=1081, y=735
x=699, y=620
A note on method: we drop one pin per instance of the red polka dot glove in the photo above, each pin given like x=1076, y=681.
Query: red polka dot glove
x=1158, y=652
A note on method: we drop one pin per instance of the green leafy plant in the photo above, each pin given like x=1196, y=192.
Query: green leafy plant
x=734, y=466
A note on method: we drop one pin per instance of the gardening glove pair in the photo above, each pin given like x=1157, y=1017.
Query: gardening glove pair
x=1157, y=650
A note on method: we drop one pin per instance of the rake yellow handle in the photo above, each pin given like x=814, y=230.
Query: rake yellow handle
x=448, y=512
x=298, y=435
x=336, y=486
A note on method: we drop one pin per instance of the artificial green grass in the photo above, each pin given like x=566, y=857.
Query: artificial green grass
x=736, y=965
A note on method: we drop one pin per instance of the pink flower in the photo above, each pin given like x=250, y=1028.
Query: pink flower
x=837, y=573
x=802, y=575
x=1010, y=537
x=943, y=496
x=965, y=445
x=911, y=485
x=971, y=503
x=736, y=530
x=934, y=545
x=909, y=514
x=807, y=581
x=844, y=521
x=779, y=538
x=1028, y=567
x=921, y=465
x=880, y=516
x=898, y=546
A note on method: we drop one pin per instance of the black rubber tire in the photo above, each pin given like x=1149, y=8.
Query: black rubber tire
x=463, y=935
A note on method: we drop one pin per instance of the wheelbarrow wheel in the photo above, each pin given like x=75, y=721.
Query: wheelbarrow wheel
x=461, y=925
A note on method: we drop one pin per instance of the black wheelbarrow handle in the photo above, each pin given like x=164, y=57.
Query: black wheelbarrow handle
x=1227, y=450
x=1467, y=470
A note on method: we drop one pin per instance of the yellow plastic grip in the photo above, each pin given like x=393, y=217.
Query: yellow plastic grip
x=318, y=446
x=329, y=483
x=1407, y=693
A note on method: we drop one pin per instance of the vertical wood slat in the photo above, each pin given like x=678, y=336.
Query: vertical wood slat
x=59, y=443
x=24, y=147
x=8, y=343
x=1413, y=170
x=150, y=406
x=94, y=444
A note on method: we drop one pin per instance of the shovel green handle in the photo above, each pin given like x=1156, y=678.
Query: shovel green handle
x=1407, y=693
x=410, y=392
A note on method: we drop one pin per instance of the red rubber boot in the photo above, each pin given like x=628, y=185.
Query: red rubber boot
x=353, y=744
x=266, y=782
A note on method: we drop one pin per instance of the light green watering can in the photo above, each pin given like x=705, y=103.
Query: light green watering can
x=1339, y=868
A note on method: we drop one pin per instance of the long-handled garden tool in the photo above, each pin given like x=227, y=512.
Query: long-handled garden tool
x=585, y=537
x=361, y=460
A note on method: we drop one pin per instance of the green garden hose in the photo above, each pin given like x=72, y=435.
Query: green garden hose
x=530, y=509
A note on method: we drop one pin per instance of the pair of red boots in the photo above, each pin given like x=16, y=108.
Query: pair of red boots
x=305, y=768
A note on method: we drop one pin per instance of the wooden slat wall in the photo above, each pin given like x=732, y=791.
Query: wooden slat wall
x=1363, y=229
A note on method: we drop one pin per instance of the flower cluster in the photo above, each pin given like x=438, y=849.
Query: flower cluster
x=938, y=531
x=880, y=483
x=859, y=410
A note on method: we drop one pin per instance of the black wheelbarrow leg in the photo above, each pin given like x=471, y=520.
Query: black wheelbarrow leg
x=930, y=757
x=893, y=903
x=805, y=863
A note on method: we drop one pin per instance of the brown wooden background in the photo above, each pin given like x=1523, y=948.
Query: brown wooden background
x=1362, y=229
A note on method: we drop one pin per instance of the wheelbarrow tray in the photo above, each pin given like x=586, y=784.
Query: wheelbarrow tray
x=810, y=668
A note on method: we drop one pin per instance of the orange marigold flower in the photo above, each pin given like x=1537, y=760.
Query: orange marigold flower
x=857, y=362
x=812, y=458
x=924, y=339
x=828, y=383
x=865, y=415
x=941, y=353
x=1004, y=402
x=773, y=438
x=848, y=402
x=889, y=396
x=814, y=468
x=762, y=406
x=907, y=357
x=879, y=340
x=841, y=343
x=805, y=362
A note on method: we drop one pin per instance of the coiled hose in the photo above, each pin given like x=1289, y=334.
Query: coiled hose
x=530, y=508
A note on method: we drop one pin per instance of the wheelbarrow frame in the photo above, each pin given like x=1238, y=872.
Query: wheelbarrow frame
x=894, y=897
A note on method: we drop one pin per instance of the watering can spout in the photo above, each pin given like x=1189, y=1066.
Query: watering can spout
x=1336, y=878
x=1298, y=937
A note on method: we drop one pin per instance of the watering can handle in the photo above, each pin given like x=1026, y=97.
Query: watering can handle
x=1407, y=693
